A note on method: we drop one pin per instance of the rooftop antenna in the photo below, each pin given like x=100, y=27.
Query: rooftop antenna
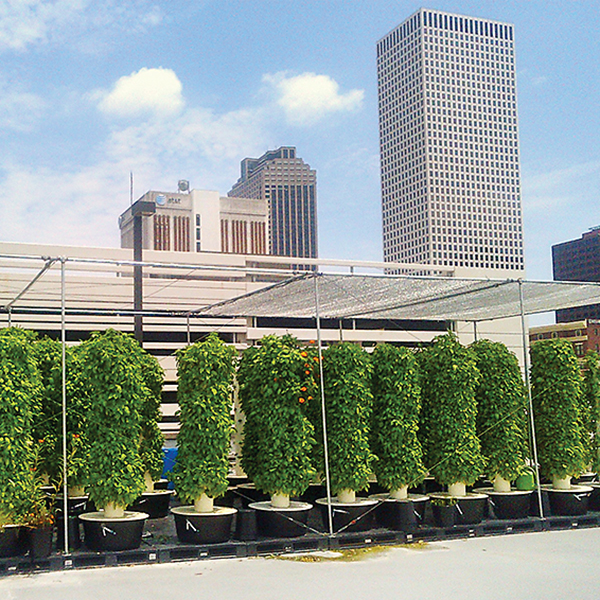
x=130, y=188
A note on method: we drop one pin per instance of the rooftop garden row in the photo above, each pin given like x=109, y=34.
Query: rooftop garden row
x=452, y=411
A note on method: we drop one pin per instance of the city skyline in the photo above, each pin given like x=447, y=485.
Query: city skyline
x=449, y=142
x=289, y=187
x=204, y=99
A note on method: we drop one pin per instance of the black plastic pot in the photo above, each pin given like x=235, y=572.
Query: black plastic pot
x=572, y=502
x=40, y=542
x=585, y=478
x=281, y=522
x=470, y=509
x=203, y=528
x=10, y=541
x=155, y=504
x=245, y=525
x=248, y=493
x=401, y=515
x=594, y=501
x=349, y=517
x=73, y=533
x=110, y=534
x=314, y=491
x=509, y=505
x=76, y=505
x=444, y=516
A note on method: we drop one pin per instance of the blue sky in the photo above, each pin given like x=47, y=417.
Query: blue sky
x=91, y=90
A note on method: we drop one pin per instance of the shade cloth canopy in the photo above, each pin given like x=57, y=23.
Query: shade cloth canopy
x=405, y=297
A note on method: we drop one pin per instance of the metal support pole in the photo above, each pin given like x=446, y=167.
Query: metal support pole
x=189, y=333
x=138, y=292
x=323, y=413
x=63, y=338
x=10, y=317
x=530, y=401
x=475, y=331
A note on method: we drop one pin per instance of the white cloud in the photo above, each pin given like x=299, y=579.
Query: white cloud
x=23, y=22
x=19, y=110
x=561, y=187
x=144, y=92
x=27, y=22
x=308, y=98
x=80, y=205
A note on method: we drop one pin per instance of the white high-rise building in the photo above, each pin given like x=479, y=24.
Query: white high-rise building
x=449, y=142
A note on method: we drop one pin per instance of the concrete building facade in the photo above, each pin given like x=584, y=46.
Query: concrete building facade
x=289, y=186
x=449, y=142
x=578, y=260
x=200, y=221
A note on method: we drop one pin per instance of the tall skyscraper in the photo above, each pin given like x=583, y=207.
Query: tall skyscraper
x=449, y=142
x=578, y=260
x=289, y=186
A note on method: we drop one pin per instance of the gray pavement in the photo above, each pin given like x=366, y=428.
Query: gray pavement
x=548, y=565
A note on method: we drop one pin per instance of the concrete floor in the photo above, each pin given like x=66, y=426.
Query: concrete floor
x=548, y=565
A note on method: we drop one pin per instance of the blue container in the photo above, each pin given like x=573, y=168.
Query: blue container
x=170, y=456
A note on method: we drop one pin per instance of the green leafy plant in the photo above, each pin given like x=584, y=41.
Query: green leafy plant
x=114, y=423
x=205, y=374
x=20, y=388
x=347, y=372
x=556, y=389
x=396, y=408
x=449, y=413
x=278, y=436
x=591, y=410
x=152, y=438
x=48, y=422
x=501, y=412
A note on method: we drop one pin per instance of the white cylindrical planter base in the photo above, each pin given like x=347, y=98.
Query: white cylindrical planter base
x=561, y=484
x=280, y=500
x=149, y=482
x=400, y=493
x=204, y=504
x=457, y=489
x=346, y=496
x=501, y=485
x=114, y=511
x=75, y=491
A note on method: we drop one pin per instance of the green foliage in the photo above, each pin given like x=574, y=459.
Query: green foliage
x=449, y=413
x=20, y=387
x=556, y=387
x=501, y=410
x=114, y=425
x=590, y=410
x=152, y=439
x=205, y=373
x=278, y=436
x=48, y=422
x=396, y=408
x=347, y=372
